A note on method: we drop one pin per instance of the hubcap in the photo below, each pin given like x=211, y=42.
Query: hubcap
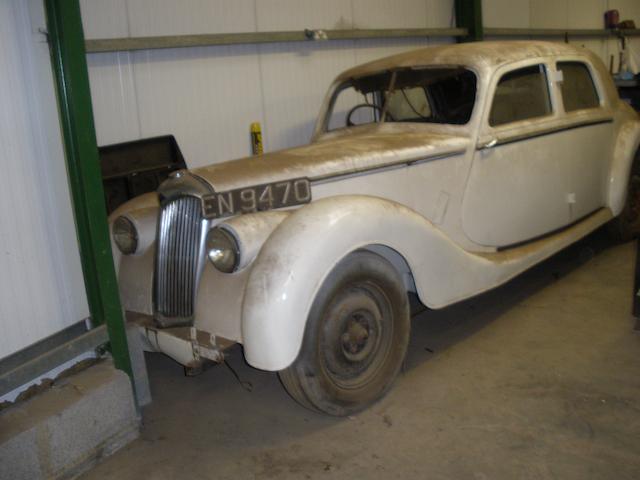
x=355, y=337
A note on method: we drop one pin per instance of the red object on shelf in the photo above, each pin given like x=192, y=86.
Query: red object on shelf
x=611, y=18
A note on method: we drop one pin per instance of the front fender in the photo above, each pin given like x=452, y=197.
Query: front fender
x=301, y=252
x=135, y=272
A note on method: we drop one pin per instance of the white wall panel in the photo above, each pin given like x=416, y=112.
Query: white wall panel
x=506, y=13
x=172, y=17
x=368, y=50
x=113, y=94
x=561, y=14
x=295, y=79
x=104, y=18
x=275, y=15
x=585, y=13
x=41, y=284
x=385, y=14
x=597, y=46
x=440, y=14
x=207, y=97
x=588, y=14
x=548, y=13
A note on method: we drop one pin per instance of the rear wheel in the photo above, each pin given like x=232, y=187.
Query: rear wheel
x=355, y=339
x=626, y=226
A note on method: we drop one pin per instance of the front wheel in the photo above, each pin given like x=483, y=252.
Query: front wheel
x=355, y=339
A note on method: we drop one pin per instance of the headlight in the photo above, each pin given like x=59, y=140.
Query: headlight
x=125, y=235
x=222, y=250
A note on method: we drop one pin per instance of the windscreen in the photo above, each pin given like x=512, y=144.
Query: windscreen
x=425, y=95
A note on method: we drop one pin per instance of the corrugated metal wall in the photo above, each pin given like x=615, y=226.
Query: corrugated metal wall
x=207, y=97
x=41, y=284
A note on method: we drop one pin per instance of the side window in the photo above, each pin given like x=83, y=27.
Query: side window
x=578, y=89
x=521, y=94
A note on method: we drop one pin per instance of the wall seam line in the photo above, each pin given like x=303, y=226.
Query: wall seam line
x=263, y=99
x=134, y=77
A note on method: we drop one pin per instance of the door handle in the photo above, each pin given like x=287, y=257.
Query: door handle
x=491, y=143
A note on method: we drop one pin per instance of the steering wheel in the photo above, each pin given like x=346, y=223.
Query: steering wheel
x=363, y=105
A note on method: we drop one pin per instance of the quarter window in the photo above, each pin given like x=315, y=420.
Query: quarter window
x=521, y=94
x=578, y=89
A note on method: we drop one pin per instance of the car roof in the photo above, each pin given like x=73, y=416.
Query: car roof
x=481, y=56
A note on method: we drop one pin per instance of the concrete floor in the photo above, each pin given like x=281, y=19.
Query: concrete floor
x=538, y=379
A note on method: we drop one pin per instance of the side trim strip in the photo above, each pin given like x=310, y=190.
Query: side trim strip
x=542, y=133
x=386, y=166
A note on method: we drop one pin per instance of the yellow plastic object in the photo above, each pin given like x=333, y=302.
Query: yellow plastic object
x=256, y=139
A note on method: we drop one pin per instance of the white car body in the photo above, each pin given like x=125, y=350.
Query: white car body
x=457, y=209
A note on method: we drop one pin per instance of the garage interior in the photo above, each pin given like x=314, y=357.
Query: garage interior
x=489, y=390
x=539, y=378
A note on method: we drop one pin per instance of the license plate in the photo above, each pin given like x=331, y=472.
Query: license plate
x=257, y=198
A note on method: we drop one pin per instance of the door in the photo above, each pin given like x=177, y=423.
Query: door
x=517, y=187
x=590, y=133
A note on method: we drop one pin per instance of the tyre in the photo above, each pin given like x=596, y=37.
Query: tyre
x=355, y=339
x=626, y=226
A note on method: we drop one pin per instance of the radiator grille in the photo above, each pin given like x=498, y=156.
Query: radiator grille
x=177, y=258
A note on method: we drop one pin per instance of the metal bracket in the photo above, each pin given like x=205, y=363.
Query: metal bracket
x=204, y=351
x=45, y=34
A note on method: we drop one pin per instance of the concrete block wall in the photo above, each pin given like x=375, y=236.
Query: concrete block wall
x=70, y=427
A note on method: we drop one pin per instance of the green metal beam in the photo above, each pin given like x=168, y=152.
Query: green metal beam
x=469, y=16
x=66, y=43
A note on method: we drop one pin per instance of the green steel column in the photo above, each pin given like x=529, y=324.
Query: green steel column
x=66, y=43
x=469, y=16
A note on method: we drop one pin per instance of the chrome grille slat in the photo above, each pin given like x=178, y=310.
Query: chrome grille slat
x=177, y=258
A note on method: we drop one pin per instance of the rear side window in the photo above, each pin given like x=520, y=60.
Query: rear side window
x=578, y=89
x=521, y=94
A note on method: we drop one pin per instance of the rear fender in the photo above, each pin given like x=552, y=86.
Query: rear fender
x=626, y=148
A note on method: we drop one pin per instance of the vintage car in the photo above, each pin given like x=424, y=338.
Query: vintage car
x=444, y=171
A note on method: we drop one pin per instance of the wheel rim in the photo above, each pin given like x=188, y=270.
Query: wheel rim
x=356, y=335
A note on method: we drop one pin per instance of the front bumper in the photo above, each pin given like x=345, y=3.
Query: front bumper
x=186, y=345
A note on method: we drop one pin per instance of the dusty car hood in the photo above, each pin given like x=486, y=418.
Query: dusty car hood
x=340, y=155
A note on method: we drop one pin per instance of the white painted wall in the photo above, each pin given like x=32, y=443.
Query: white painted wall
x=208, y=96
x=564, y=14
x=41, y=284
